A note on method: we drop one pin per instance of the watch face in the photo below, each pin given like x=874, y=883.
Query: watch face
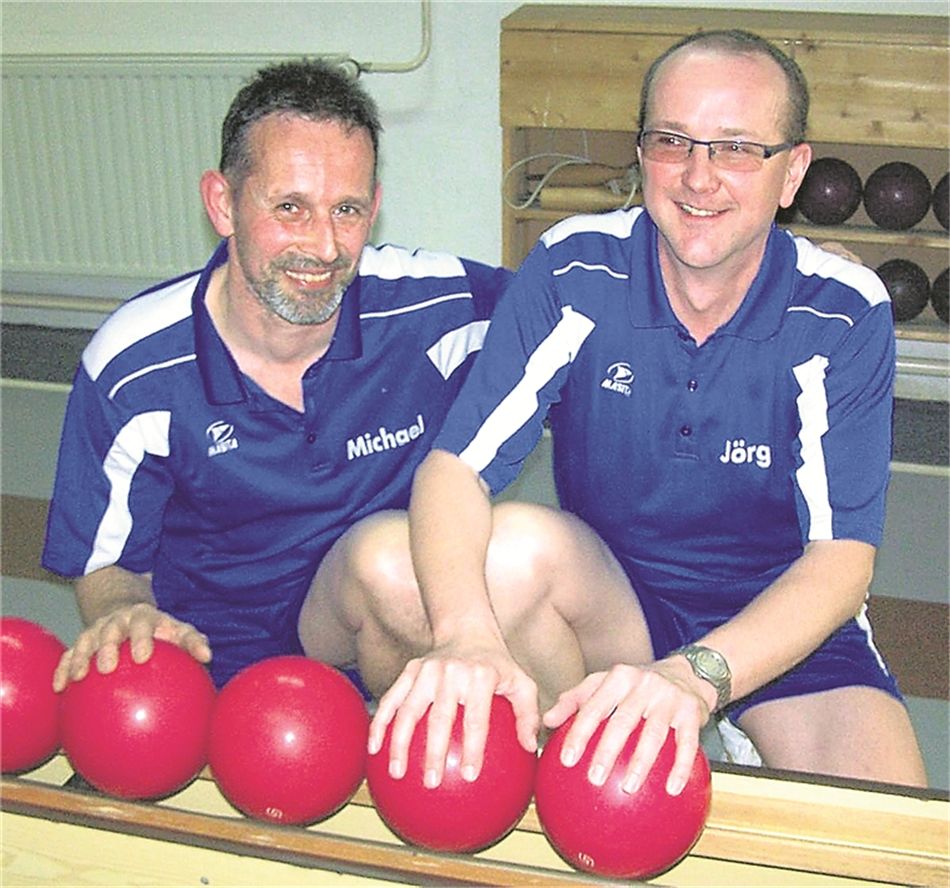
x=709, y=662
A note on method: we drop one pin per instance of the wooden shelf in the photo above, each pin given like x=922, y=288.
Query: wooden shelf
x=861, y=235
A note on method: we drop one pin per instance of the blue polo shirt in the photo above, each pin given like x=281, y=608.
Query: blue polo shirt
x=705, y=468
x=174, y=462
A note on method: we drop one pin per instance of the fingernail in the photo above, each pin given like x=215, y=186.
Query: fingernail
x=468, y=773
x=431, y=779
x=568, y=756
x=597, y=775
x=674, y=787
x=395, y=771
x=632, y=783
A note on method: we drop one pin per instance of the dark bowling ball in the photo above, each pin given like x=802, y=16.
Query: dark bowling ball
x=908, y=285
x=830, y=192
x=939, y=297
x=941, y=200
x=897, y=196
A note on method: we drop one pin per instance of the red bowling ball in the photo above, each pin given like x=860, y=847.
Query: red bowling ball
x=458, y=815
x=140, y=732
x=607, y=831
x=29, y=707
x=288, y=740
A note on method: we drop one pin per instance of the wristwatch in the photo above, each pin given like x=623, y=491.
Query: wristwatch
x=710, y=666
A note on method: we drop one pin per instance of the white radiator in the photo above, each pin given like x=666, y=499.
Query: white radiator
x=101, y=162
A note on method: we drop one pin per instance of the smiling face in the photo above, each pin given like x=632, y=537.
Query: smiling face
x=714, y=223
x=299, y=220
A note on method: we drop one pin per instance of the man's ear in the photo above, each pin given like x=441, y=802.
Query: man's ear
x=218, y=199
x=799, y=159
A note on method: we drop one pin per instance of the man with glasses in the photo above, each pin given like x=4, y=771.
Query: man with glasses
x=719, y=393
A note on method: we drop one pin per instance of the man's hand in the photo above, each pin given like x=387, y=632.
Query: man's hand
x=664, y=694
x=141, y=623
x=468, y=675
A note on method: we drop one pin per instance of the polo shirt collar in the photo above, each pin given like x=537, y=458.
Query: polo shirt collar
x=761, y=312
x=219, y=371
x=347, y=341
x=220, y=374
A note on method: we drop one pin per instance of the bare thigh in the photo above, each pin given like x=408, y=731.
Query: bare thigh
x=856, y=732
x=363, y=605
x=543, y=560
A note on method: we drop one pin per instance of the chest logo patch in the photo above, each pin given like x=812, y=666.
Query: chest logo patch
x=222, y=438
x=619, y=378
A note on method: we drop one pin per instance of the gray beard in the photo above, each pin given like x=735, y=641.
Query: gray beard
x=290, y=307
x=273, y=298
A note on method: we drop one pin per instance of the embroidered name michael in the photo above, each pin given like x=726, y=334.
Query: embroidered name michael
x=384, y=439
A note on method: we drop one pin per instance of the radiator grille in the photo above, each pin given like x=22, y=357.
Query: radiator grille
x=101, y=161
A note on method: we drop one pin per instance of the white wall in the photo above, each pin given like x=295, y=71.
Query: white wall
x=441, y=151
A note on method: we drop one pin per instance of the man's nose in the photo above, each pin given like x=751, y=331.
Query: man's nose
x=699, y=171
x=318, y=238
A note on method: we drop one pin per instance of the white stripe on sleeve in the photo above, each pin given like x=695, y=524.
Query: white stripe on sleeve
x=557, y=349
x=451, y=350
x=144, y=434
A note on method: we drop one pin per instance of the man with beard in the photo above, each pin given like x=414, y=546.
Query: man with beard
x=239, y=442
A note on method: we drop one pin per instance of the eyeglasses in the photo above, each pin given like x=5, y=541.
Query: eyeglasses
x=727, y=154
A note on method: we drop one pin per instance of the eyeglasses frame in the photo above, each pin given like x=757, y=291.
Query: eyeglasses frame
x=767, y=150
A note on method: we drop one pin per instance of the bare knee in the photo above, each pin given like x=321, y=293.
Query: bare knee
x=376, y=556
x=364, y=586
x=544, y=559
x=528, y=542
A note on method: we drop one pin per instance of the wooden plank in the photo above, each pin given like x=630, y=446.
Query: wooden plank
x=848, y=832
x=866, y=235
x=271, y=841
x=574, y=80
x=632, y=19
x=758, y=824
x=895, y=95
x=589, y=76
x=40, y=853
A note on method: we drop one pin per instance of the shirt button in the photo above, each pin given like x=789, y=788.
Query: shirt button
x=686, y=431
x=692, y=385
x=311, y=438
